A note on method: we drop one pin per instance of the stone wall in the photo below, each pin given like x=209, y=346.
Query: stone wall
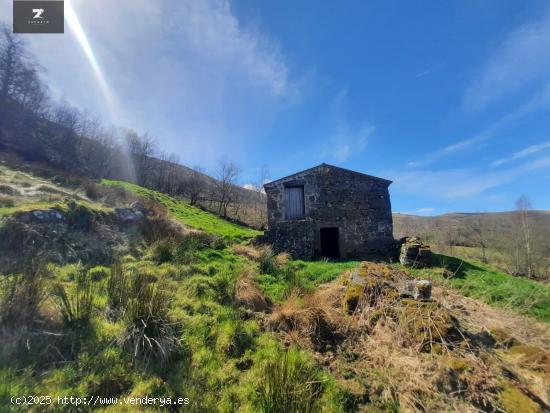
x=358, y=204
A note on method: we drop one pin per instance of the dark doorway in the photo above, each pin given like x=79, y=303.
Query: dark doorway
x=330, y=246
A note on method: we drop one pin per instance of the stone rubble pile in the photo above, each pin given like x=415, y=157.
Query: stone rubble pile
x=414, y=253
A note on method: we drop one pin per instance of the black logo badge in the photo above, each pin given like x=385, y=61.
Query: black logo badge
x=38, y=16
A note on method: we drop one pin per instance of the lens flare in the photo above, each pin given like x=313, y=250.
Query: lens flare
x=77, y=30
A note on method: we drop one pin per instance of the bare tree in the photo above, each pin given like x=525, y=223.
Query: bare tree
x=260, y=207
x=523, y=205
x=479, y=231
x=141, y=149
x=194, y=187
x=226, y=191
x=19, y=79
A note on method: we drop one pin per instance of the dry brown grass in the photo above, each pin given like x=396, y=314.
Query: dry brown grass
x=246, y=251
x=410, y=355
x=6, y=201
x=310, y=320
x=282, y=259
x=159, y=226
x=249, y=295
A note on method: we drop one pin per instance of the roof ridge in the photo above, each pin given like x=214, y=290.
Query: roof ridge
x=330, y=166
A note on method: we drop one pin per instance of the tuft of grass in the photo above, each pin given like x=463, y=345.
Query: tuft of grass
x=98, y=273
x=191, y=244
x=491, y=285
x=149, y=334
x=21, y=297
x=118, y=288
x=289, y=382
x=76, y=307
x=189, y=215
x=162, y=252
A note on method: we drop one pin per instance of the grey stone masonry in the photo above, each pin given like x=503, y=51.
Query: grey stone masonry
x=355, y=207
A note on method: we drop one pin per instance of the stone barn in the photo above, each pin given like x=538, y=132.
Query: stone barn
x=332, y=212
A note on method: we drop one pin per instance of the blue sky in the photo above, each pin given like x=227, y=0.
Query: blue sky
x=450, y=100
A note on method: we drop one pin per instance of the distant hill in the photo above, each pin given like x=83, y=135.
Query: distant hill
x=498, y=238
x=460, y=225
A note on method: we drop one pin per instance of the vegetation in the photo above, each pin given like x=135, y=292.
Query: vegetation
x=204, y=314
x=515, y=242
x=191, y=216
x=491, y=285
x=93, y=304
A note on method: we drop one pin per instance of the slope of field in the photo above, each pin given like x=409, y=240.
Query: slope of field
x=234, y=327
x=490, y=285
x=189, y=215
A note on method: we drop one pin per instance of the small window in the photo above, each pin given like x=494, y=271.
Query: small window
x=294, y=202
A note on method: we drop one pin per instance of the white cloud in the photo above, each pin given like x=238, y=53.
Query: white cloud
x=420, y=211
x=530, y=150
x=540, y=99
x=521, y=59
x=425, y=210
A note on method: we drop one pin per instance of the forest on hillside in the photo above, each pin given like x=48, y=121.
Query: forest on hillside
x=515, y=241
x=36, y=128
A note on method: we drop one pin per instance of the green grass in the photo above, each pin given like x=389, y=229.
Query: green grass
x=491, y=285
x=189, y=215
x=62, y=206
x=302, y=275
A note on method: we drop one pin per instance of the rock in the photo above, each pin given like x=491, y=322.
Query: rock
x=128, y=215
x=138, y=206
x=417, y=289
x=415, y=253
x=38, y=214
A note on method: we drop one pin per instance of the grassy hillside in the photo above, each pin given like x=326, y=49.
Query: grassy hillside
x=491, y=285
x=189, y=215
x=205, y=316
x=499, y=233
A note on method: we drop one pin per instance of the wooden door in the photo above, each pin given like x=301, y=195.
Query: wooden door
x=294, y=202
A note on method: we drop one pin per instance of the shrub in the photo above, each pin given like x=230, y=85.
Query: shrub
x=162, y=252
x=288, y=382
x=21, y=298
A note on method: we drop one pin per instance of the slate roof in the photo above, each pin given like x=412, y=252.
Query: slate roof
x=269, y=184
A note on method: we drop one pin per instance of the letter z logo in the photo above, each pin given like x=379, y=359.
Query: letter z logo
x=38, y=13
